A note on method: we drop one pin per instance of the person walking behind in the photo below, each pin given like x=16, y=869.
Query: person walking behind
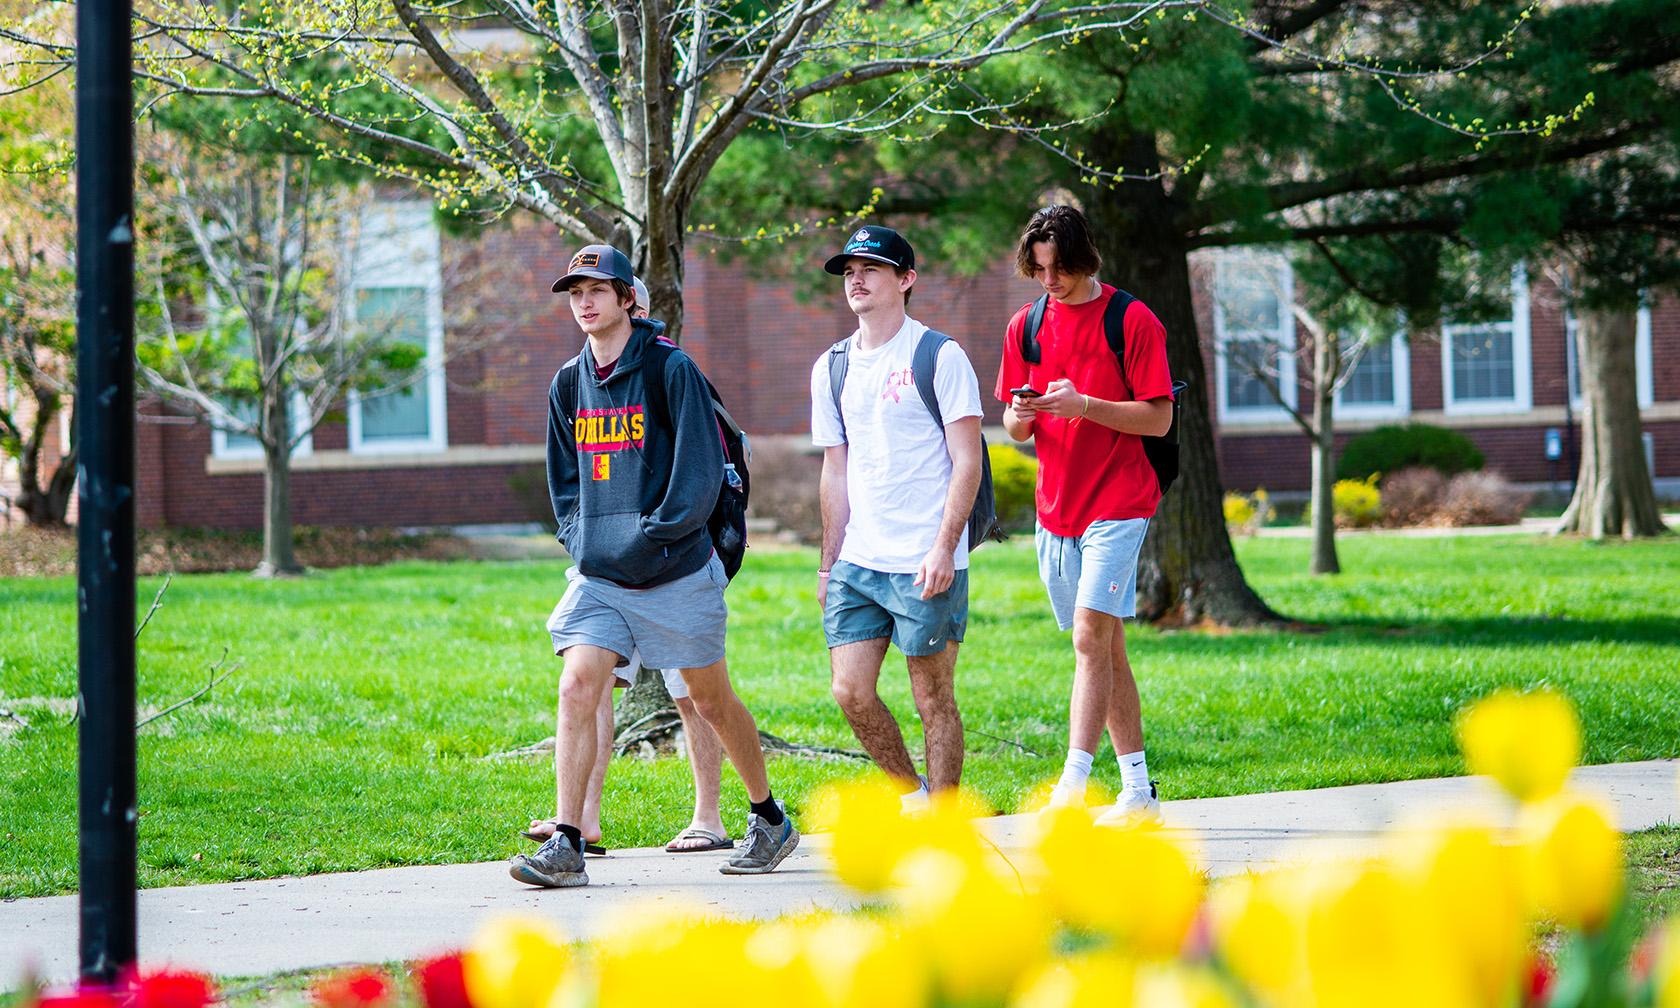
x=632, y=488
x=1086, y=410
x=705, y=830
x=898, y=482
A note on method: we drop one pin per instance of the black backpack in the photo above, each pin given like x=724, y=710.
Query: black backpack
x=982, y=520
x=1162, y=450
x=727, y=525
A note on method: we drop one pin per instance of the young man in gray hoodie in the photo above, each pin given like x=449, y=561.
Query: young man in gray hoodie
x=635, y=463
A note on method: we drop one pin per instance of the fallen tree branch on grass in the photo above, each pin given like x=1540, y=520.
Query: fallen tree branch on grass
x=216, y=676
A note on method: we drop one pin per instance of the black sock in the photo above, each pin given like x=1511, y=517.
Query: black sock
x=573, y=835
x=768, y=810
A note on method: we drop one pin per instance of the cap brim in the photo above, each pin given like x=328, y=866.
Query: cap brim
x=837, y=264
x=566, y=281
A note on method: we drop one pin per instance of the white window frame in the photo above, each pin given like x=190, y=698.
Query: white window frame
x=1401, y=406
x=1641, y=353
x=220, y=449
x=1521, y=399
x=1285, y=336
x=413, y=263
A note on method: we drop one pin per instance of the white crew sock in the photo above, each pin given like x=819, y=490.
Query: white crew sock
x=917, y=800
x=1134, y=772
x=1075, y=772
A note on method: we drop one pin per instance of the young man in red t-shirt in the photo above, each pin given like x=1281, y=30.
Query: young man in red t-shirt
x=1096, y=489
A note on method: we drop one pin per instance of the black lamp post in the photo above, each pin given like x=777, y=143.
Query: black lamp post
x=105, y=494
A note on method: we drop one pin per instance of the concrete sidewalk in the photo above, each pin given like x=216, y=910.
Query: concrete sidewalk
x=257, y=928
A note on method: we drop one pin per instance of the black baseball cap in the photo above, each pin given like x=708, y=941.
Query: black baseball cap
x=597, y=262
x=872, y=241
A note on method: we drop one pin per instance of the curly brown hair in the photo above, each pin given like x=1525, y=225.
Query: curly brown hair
x=1066, y=228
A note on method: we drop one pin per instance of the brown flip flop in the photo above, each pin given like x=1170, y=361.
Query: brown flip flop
x=714, y=841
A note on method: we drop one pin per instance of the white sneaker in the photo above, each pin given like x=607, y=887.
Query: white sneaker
x=916, y=802
x=1134, y=807
x=1061, y=797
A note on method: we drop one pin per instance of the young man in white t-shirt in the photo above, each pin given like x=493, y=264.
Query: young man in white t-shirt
x=897, y=489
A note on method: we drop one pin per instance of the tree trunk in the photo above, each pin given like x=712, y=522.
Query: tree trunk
x=45, y=506
x=1614, y=495
x=647, y=708
x=1187, y=573
x=1326, y=366
x=279, y=559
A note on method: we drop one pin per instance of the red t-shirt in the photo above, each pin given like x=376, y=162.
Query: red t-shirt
x=1088, y=472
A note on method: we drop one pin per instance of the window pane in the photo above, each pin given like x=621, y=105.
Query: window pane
x=234, y=441
x=1482, y=363
x=396, y=314
x=1251, y=303
x=1372, y=381
x=1243, y=387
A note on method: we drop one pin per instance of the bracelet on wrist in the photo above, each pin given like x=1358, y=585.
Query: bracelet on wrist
x=822, y=573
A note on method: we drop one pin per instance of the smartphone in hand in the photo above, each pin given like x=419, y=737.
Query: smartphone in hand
x=1025, y=392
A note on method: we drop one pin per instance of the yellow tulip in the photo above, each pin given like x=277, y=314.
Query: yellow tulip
x=1259, y=930
x=1136, y=885
x=1668, y=966
x=1174, y=985
x=869, y=835
x=1575, y=861
x=1370, y=943
x=514, y=962
x=979, y=933
x=674, y=955
x=1472, y=889
x=1528, y=742
x=1095, y=980
x=856, y=962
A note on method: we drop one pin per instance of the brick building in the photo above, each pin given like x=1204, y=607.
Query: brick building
x=465, y=445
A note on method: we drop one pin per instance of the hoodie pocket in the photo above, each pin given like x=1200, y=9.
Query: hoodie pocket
x=613, y=546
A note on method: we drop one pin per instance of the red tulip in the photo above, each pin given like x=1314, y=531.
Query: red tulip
x=171, y=989
x=88, y=996
x=442, y=983
x=360, y=988
x=1541, y=975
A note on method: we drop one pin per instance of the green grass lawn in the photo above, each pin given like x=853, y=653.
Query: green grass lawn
x=353, y=734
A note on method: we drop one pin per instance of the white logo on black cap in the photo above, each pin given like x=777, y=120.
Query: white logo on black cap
x=861, y=236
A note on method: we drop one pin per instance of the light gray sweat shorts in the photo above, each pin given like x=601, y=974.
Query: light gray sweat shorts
x=676, y=625
x=1097, y=570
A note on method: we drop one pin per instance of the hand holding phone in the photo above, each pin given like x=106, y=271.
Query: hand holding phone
x=1025, y=392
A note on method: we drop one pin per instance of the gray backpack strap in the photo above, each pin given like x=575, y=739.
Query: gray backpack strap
x=922, y=366
x=837, y=361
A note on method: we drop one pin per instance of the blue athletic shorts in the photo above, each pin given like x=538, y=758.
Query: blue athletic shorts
x=865, y=604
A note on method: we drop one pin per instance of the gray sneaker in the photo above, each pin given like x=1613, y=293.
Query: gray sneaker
x=555, y=865
x=764, y=847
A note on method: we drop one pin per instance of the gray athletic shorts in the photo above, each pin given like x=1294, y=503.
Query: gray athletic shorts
x=865, y=604
x=679, y=624
x=1097, y=570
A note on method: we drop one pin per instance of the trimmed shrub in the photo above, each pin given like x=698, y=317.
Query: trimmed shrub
x=1481, y=498
x=1392, y=448
x=1015, y=484
x=1249, y=515
x=1410, y=496
x=1356, y=503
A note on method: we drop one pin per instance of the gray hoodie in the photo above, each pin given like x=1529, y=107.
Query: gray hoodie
x=631, y=497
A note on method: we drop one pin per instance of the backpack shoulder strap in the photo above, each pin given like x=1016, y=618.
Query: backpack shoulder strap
x=656, y=360
x=1030, y=351
x=922, y=367
x=566, y=384
x=1114, y=327
x=838, y=358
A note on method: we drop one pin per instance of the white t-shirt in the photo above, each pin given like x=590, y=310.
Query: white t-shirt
x=897, y=467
